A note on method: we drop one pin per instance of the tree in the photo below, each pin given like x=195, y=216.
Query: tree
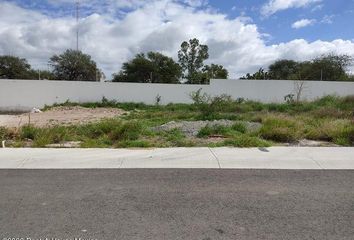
x=191, y=58
x=74, y=65
x=14, y=68
x=41, y=75
x=259, y=75
x=283, y=70
x=153, y=67
x=215, y=71
x=327, y=68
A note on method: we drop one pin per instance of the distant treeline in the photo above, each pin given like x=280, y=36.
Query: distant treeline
x=152, y=67
x=155, y=67
x=326, y=68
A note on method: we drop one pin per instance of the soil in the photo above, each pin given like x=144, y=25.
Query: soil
x=60, y=116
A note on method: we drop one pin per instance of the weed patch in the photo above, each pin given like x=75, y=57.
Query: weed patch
x=279, y=129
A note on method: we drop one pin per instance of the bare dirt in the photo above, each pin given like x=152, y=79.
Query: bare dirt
x=60, y=116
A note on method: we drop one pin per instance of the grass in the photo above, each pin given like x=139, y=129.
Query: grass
x=280, y=129
x=329, y=119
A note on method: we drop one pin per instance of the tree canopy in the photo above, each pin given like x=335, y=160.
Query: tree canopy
x=327, y=68
x=151, y=68
x=74, y=65
x=191, y=58
x=215, y=71
x=14, y=68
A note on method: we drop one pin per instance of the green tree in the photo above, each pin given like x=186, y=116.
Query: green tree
x=215, y=71
x=41, y=74
x=284, y=70
x=191, y=58
x=261, y=74
x=14, y=68
x=74, y=65
x=327, y=68
x=153, y=67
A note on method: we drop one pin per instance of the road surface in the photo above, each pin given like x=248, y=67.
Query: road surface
x=177, y=204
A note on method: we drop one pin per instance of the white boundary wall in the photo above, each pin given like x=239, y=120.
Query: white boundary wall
x=22, y=95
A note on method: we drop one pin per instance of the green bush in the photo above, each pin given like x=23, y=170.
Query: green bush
x=126, y=131
x=3, y=133
x=279, y=129
x=245, y=141
x=29, y=132
x=239, y=127
x=210, y=107
x=338, y=131
x=95, y=130
x=213, y=130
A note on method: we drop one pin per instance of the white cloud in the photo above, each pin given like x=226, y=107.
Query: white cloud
x=160, y=25
x=303, y=23
x=328, y=19
x=273, y=6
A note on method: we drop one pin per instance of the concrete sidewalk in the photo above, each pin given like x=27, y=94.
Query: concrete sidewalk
x=234, y=158
x=225, y=158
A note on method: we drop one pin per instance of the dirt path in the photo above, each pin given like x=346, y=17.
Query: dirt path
x=60, y=115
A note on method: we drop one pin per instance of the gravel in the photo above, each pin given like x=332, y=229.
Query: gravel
x=192, y=128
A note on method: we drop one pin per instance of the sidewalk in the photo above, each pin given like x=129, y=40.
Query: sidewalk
x=225, y=158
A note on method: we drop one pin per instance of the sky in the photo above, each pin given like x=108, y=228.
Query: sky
x=242, y=35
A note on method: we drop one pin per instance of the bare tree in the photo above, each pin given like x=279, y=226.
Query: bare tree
x=299, y=87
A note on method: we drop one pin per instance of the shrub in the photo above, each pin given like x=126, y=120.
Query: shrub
x=239, y=127
x=246, y=141
x=211, y=106
x=279, y=129
x=95, y=130
x=126, y=131
x=3, y=133
x=213, y=130
x=338, y=131
x=29, y=132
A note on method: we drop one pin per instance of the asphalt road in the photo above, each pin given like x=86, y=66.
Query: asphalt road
x=177, y=204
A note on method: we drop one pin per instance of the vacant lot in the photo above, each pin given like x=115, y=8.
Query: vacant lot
x=217, y=121
x=59, y=116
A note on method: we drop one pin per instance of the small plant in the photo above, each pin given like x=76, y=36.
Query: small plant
x=199, y=98
x=29, y=132
x=240, y=100
x=210, y=106
x=3, y=133
x=239, y=127
x=158, y=99
x=126, y=131
x=289, y=99
x=208, y=131
x=279, y=129
x=245, y=141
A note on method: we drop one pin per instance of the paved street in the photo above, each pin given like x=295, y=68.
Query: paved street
x=177, y=204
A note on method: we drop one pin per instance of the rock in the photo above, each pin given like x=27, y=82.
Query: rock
x=192, y=128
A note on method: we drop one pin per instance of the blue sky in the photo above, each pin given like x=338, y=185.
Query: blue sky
x=333, y=17
x=243, y=35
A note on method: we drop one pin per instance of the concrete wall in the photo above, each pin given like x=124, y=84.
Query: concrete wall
x=22, y=95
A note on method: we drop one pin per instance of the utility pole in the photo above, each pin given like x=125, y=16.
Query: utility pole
x=321, y=75
x=77, y=24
